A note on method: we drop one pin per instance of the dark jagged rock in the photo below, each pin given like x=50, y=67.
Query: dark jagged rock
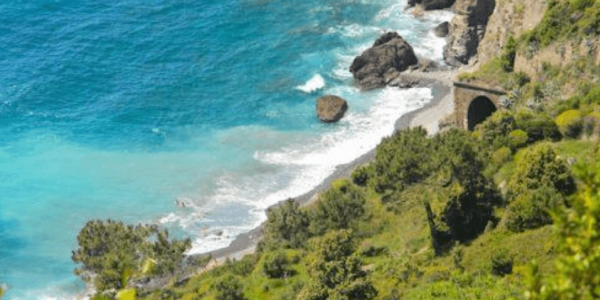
x=390, y=53
x=436, y=4
x=442, y=30
x=331, y=108
x=412, y=3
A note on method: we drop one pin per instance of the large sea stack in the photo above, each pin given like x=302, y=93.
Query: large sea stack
x=390, y=53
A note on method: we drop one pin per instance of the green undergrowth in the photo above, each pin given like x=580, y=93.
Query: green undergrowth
x=406, y=238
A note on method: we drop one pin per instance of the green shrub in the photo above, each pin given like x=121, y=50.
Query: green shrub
x=287, y=226
x=229, y=287
x=360, y=176
x=532, y=209
x=336, y=272
x=242, y=267
x=495, y=129
x=538, y=167
x=518, y=138
x=570, y=123
x=501, y=156
x=276, y=265
x=538, y=126
x=470, y=208
x=392, y=169
x=501, y=263
x=340, y=207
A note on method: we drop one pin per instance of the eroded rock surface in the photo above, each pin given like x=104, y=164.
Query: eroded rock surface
x=331, y=108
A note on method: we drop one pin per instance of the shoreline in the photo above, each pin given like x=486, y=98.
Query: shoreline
x=428, y=117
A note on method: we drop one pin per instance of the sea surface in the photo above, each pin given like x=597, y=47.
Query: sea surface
x=196, y=115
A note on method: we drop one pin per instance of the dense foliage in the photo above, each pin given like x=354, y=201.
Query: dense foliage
x=111, y=253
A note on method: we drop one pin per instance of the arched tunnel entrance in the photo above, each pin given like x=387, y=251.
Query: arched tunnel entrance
x=479, y=110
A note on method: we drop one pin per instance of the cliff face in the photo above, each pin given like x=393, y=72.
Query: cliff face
x=467, y=29
x=510, y=18
x=558, y=54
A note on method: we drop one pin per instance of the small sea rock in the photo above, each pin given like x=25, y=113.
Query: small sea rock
x=331, y=109
x=442, y=30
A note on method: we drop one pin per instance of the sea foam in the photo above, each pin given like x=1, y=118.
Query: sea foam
x=315, y=83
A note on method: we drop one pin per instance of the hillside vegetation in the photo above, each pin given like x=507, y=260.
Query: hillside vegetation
x=508, y=211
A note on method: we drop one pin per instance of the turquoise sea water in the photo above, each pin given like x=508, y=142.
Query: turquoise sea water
x=124, y=109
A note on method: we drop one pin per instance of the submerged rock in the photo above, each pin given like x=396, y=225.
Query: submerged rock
x=390, y=53
x=331, y=108
x=442, y=30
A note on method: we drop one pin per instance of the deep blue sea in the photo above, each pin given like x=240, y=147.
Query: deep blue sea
x=132, y=109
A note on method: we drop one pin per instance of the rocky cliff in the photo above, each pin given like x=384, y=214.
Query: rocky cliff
x=510, y=18
x=467, y=29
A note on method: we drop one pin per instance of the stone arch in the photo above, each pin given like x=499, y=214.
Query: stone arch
x=480, y=109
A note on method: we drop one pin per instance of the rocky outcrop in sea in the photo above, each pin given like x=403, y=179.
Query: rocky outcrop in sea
x=331, y=109
x=390, y=54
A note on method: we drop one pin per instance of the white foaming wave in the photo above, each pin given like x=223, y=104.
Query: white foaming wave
x=431, y=47
x=344, y=59
x=315, y=83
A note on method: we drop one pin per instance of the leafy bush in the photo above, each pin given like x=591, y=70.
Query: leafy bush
x=570, y=123
x=229, y=287
x=539, y=167
x=242, y=267
x=501, y=263
x=286, y=226
x=276, y=265
x=339, y=207
x=500, y=156
x=111, y=253
x=336, y=272
x=532, y=209
x=495, y=129
x=538, y=126
x=392, y=169
x=518, y=138
x=360, y=176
